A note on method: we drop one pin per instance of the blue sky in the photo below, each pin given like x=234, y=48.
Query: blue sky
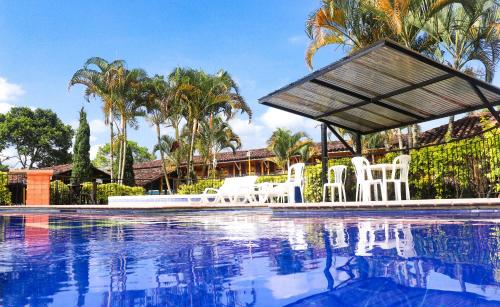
x=261, y=43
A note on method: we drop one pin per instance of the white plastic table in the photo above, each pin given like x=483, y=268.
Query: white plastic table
x=383, y=168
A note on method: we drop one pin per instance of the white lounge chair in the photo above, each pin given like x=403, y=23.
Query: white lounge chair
x=364, y=180
x=401, y=163
x=234, y=189
x=337, y=182
x=287, y=189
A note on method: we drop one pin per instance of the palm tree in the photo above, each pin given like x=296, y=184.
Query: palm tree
x=216, y=135
x=206, y=96
x=468, y=33
x=356, y=24
x=160, y=97
x=284, y=144
x=174, y=151
x=306, y=152
x=97, y=75
x=129, y=103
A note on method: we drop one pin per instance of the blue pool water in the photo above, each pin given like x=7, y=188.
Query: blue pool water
x=249, y=258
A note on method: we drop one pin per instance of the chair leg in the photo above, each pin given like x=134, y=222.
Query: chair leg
x=343, y=191
x=407, y=190
x=375, y=191
x=324, y=193
x=365, y=192
x=397, y=190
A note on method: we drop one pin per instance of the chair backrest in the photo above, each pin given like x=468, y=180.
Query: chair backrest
x=360, y=165
x=296, y=174
x=339, y=174
x=233, y=184
x=404, y=169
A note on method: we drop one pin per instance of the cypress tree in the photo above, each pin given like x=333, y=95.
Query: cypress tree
x=128, y=176
x=81, y=152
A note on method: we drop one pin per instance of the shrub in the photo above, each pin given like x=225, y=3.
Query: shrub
x=59, y=193
x=272, y=178
x=5, y=195
x=199, y=186
x=103, y=192
x=112, y=189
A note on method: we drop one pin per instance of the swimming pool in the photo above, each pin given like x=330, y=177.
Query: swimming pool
x=249, y=258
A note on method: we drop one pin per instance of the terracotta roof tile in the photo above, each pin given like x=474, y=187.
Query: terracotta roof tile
x=462, y=128
x=259, y=153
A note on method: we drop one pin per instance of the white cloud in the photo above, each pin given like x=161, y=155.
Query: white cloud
x=275, y=118
x=5, y=107
x=8, y=157
x=243, y=127
x=251, y=134
x=9, y=91
x=93, y=150
x=97, y=126
x=74, y=124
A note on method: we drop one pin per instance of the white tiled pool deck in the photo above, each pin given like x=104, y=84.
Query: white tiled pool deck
x=140, y=203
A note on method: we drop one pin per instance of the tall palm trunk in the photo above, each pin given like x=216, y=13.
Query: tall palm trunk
x=414, y=135
x=400, y=138
x=449, y=132
x=191, y=150
x=385, y=135
x=123, y=147
x=162, y=157
x=111, y=147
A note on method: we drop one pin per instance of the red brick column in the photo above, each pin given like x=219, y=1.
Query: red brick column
x=38, y=187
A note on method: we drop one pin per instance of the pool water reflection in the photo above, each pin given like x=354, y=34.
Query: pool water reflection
x=248, y=258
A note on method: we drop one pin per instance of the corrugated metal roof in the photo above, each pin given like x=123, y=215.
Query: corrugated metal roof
x=381, y=87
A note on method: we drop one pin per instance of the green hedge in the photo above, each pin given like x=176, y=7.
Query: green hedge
x=111, y=189
x=462, y=168
x=103, y=192
x=199, y=186
x=63, y=194
x=5, y=195
x=312, y=174
x=272, y=178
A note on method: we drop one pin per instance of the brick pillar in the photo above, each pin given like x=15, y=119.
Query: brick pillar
x=38, y=187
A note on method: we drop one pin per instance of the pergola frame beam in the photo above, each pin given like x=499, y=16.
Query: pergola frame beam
x=475, y=108
x=309, y=116
x=340, y=138
x=389, y=95
x=486, y=102
x=449, y=108
x=365, y=100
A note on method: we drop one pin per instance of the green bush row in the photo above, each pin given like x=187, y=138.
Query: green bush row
x=5, y=195
x=103, y=192
x=59, y=193
x=199, y=186
x=110, y=189
x=312, y=174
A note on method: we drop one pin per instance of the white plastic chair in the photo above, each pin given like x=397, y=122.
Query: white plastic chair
x=364, y=180
x=402, y=163
x=338, y=182
x=287, y=189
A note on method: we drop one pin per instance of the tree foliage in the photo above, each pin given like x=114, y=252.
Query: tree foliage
x=129, y=178
x=284, y=144
x=81, y=168
x=39, y=137
x=139, y=154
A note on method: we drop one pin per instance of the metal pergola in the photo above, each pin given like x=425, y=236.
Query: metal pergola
x=382, y=87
